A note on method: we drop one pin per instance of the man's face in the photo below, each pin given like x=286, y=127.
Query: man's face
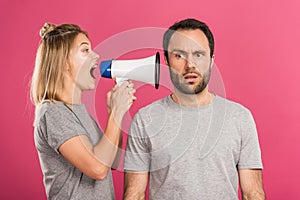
x=189, y=61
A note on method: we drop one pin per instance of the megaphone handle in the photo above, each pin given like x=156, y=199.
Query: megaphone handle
x=120, y=80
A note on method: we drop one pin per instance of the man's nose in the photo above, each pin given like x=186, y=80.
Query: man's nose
x=190, y=63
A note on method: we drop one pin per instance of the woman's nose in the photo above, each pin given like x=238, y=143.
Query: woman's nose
x=96, y=56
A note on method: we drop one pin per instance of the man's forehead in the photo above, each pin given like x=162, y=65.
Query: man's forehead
x=189, y=39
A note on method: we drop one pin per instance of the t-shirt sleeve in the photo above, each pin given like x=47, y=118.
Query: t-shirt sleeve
x=137, y=155
x=250, y=155
x=61, y=125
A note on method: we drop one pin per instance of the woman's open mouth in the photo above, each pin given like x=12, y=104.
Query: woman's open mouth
x=92, y=71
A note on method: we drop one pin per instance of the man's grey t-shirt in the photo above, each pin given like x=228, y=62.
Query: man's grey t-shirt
x=193, y=153
x=55, y=123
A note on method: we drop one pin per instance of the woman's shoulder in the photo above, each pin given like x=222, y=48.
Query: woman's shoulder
x=49, y=108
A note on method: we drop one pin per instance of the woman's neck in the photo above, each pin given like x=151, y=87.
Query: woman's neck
x=70, y=94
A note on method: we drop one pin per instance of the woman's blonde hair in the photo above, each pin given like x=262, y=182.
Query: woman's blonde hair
x=51, y=59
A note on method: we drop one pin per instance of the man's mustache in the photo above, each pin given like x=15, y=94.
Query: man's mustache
x=192, y=71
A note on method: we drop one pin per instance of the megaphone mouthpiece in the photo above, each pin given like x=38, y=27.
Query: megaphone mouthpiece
x=105, y=68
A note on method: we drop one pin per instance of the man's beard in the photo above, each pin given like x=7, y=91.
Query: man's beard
x=183, y=86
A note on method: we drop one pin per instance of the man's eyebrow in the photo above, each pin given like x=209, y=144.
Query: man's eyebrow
x=200, y=51
x=178, y=50
x=183, y=51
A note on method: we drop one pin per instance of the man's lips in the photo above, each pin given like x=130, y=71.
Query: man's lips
x=191, y=77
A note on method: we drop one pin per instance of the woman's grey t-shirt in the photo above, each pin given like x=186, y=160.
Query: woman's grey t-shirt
x=54, y=124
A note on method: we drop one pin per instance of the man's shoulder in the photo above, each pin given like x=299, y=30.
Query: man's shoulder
x=235, y=107
x=160, y=102
x=154, y=109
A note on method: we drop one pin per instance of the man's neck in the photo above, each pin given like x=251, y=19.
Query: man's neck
x=193, y=100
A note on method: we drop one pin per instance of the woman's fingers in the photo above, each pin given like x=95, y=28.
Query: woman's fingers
x=122, y=97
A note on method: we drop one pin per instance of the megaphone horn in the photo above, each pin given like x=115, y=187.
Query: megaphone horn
x=145, y=70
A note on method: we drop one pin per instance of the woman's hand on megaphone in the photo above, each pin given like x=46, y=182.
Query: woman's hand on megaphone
x=120, y=99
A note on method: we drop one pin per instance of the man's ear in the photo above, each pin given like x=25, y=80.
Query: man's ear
x=166, y=60
x=212, y=61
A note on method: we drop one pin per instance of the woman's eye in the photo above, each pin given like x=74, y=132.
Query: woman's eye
x=86, y=50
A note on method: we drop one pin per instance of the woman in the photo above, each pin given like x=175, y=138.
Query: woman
x=75, y=156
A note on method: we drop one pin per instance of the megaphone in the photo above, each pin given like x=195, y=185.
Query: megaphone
x=145, y=70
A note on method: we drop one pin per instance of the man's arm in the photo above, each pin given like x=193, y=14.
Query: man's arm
x=251, y=184
x=135, y=185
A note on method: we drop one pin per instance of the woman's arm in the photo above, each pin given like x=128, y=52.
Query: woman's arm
x=96, y=161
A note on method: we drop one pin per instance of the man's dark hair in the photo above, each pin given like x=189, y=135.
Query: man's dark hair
x=188, y=24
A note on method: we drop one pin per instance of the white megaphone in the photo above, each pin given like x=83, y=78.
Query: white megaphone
x=145, y=70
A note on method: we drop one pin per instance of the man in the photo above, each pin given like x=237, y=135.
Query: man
x=193, y=144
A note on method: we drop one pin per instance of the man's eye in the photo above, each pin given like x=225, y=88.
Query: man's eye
x=199, y=55
x=86, y=50
x=178, y=55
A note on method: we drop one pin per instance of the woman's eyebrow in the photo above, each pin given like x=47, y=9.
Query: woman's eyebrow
x=84, y=43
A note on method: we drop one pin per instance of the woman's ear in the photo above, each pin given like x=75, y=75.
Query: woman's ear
x=68, y=66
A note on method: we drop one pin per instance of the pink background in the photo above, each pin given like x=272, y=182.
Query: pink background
x=256, y=52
